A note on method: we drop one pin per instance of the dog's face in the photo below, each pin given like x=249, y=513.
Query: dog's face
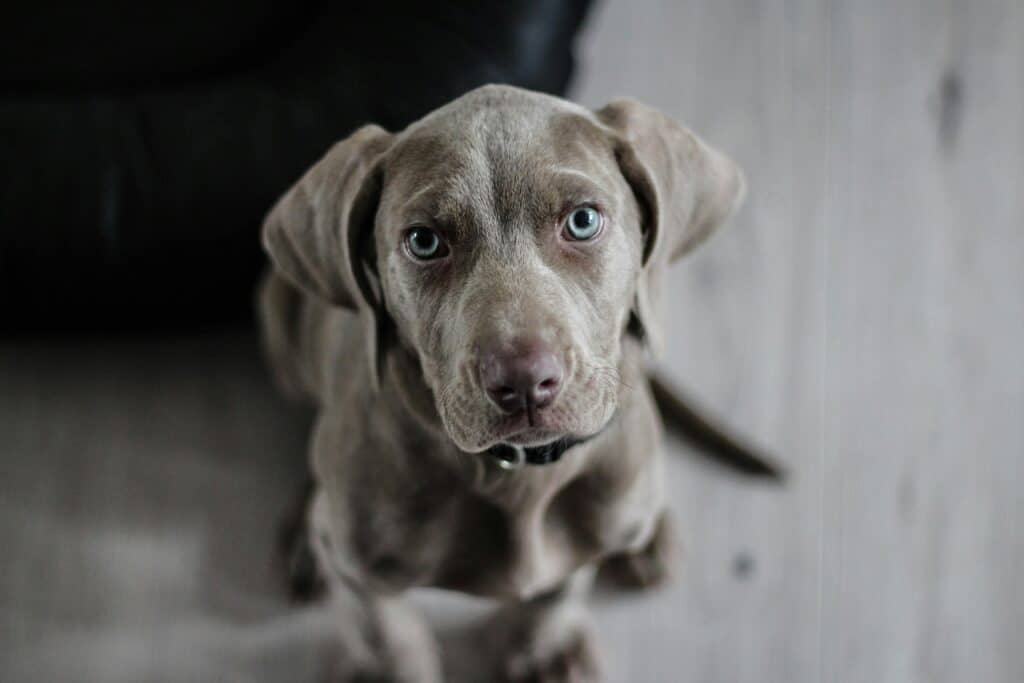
x=510, y=240
x=508, y=246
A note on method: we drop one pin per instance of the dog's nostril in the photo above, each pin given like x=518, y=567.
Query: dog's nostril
x=549, y=384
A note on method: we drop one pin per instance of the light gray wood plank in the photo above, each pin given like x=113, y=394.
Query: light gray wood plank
x=924, y=306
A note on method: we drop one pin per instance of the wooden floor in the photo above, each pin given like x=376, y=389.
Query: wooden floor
x=863, y=318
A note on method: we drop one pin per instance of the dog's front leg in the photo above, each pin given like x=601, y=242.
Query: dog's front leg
x=381, y=637
x=547, y=638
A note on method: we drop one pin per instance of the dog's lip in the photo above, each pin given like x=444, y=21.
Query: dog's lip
x=538, y=436
x=531, y=438
x=544, y=453
x=517, y=431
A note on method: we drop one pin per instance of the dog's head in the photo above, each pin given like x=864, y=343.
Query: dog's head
x=509, y=240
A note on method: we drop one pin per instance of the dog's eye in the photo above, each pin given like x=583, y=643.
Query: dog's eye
x=425, y=244
x=583, y=224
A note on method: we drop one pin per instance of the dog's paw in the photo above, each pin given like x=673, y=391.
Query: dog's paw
x=653, y=565
x=362, y=675
x=366, y=668
x=573, y=660
x=377, y=674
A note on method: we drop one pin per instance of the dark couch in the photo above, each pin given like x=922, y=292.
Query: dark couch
x=144, y=142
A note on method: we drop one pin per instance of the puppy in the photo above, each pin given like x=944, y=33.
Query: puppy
x=469, y=303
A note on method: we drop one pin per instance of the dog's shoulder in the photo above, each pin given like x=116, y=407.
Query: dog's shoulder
x=393, y=502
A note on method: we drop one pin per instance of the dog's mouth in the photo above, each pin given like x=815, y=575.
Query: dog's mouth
x=529, y=429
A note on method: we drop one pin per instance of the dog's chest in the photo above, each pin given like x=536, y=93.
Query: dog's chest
x=513, y=545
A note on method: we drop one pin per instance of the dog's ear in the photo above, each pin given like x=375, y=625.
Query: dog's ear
x=319, y=235
x=685, y=188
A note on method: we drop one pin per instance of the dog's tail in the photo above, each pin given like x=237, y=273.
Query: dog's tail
x=711, y=440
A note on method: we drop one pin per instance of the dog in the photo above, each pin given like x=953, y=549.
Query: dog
x=470, y=303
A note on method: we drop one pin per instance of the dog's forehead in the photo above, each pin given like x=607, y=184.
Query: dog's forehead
x=500, y=114
x=496, y=145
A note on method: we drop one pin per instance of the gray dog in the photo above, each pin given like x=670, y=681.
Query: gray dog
x=469, y=304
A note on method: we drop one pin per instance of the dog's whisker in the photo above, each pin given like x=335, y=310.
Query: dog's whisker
x=608, y=372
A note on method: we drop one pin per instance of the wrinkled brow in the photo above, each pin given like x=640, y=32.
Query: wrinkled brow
x=435, y=204
x=454, y=206
x=566, y=188
x=421, y=204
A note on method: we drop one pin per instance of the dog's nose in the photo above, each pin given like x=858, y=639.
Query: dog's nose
x=528, y=377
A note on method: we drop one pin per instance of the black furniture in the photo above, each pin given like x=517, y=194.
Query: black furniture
x=143, y=143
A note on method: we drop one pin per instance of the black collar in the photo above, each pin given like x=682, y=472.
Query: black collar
x=512, y=457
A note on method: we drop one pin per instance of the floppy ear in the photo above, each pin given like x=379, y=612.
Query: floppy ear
x=686, y=189
x=319, y=234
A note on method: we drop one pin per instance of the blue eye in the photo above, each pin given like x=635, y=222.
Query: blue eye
x=425, y=244
x=584, y=223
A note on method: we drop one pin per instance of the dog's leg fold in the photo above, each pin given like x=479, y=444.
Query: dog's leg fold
x=296, y=561
x=653, y=565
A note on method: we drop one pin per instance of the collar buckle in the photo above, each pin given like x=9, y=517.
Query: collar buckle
x=509, y=457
